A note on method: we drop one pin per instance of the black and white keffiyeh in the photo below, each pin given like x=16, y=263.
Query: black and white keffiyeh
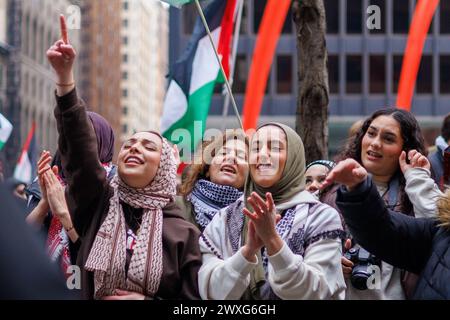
x=207, y=198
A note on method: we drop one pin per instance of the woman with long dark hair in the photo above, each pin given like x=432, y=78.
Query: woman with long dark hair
x=386, y=141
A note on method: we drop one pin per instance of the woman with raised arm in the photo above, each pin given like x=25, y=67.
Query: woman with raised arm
x=135, y=243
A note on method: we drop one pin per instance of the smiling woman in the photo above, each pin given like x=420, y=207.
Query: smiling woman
x=286, y=244
x=135, y=243
x=139, y=159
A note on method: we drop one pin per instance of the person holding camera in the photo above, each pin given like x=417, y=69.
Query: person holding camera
x=440, y=158
x=382, y=146
x=421, y=246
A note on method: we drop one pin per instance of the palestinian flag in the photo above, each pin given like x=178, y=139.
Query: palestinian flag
x=26, y=167
x=194, y=76
x=178, y=3
x=5, y=130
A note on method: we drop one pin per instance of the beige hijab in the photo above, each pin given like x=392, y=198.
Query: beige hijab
x=291, y=183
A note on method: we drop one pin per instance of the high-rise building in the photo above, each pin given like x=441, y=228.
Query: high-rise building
x=364, y=65
x=100, y=60
x=3, y=33
x=32, y=27
x=3, y=54
x=144, y=64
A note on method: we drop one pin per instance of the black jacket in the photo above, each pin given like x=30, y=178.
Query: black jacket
x=416, y=245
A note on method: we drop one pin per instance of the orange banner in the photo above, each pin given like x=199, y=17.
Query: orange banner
x=269, y=32
x=420, y=24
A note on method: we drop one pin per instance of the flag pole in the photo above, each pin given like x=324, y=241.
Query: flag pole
x=227, y=83
x=237, y=32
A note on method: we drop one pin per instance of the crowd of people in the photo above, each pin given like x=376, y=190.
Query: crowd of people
x=250, y=220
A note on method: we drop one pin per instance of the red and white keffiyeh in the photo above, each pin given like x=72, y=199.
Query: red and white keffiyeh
x=57, y=238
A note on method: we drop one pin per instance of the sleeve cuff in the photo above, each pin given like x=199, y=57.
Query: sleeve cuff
x=282, y=259
x=358, y=192
x=241, y=265
x=416, y=172
x=67, y=101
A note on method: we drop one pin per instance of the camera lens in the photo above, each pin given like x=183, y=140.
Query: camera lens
x=359, y=277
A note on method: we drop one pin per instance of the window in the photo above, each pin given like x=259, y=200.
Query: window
x=244, y=22
x=259, y=8
x=287, y=27
x=398, y=60
x=425, y=75
x=125, y=5
x=125, y=23
x=354, y=16
x=240, y=74
x=42, y=48
x=333, y=73
x=125, y=111
x=445, y=14
x=332, y=14
x=34, y=48
x=377, y=65
x=125, y=40
x=125, y=129
x=258, y=12
x=27, y=35
x=284, y=74
x=124, y=75
x=1, y=76
x=354, y=74
x=124, y=93
x=382, y=5
x=401, y=16
x=33, y=87
x=430, y=30
x=444, y=63
x=125, y=58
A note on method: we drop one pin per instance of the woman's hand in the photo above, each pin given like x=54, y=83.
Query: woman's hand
x=416, y=160
x=43, y=166
x=62, y=57
x=347, y=265
x=348, y=172
x=253, y=245
x=125, y=295
x=265, y=219
x=57, y=202
x=55, y=194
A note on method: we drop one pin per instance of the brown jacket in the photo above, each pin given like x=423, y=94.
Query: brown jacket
x=88, y=194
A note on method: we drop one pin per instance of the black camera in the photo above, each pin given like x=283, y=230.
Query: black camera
x=362, y=269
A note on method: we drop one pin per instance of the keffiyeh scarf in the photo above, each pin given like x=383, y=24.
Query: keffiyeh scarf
x=57, y=238
x=107, y=258
x=208, y=198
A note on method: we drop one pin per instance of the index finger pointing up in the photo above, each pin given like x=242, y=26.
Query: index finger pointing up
x=64, y=34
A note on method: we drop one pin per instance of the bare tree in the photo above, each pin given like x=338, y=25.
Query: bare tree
x=312, y=104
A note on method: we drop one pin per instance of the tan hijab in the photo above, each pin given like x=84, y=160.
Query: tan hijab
x=291, y=183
